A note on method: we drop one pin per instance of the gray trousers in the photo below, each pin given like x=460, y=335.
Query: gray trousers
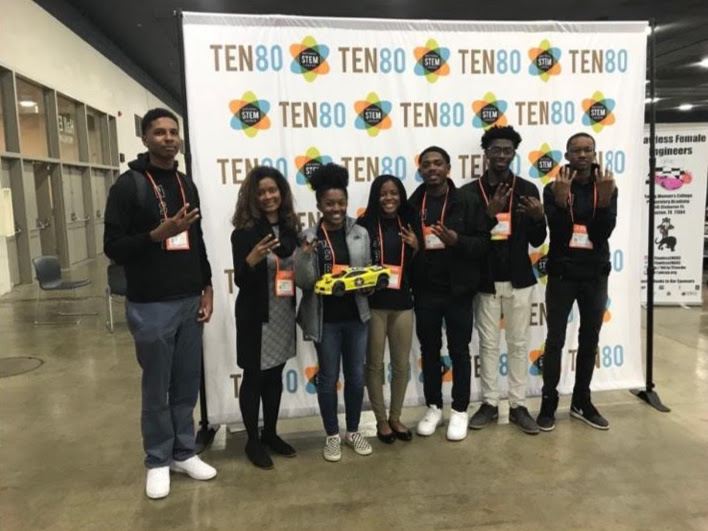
x=168, y=345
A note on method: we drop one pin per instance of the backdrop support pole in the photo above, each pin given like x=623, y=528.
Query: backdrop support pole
x=205, y=434
x=648, y=394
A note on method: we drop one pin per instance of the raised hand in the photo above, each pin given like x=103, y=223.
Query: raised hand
x=175, y=225
x=447, y=236
x=561, y=186
x=262, y=249
x=531, y=207
x=499, y=200
x=605, y=187
x=309, y=247
x=410, y=238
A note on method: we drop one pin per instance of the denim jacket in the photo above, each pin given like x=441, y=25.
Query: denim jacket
x=307, y=272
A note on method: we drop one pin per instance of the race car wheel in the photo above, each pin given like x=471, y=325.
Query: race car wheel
x=382, y=282
x=338, y=289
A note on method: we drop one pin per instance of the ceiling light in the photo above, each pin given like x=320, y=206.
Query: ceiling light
x=649, y=100
x=685, y=107
x=704, y=62
x=27, y=103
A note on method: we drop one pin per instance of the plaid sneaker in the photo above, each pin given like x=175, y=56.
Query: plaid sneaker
x=360, y=445
x=332, y=448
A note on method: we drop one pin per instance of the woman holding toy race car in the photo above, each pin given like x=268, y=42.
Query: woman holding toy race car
x=337, y=324
x=390, y=222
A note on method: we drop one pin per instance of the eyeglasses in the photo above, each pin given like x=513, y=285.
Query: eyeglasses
x=578, y=151
x=495, y=151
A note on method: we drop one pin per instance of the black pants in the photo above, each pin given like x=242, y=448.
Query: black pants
x=430, y=309
x=560, y=295
x=257, y=386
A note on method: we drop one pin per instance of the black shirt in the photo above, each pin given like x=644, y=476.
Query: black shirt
x=335, y=309
x=152, y=272
x=437, y=262
x=500, y=255
x=391, y=299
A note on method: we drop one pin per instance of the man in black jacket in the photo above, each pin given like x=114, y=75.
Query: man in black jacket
x=515, y=219
x=445, y=278
x=152, y=228
x=581, y=207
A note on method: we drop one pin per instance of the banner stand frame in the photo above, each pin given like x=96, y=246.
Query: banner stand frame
x=648, y=394
x=205, y=434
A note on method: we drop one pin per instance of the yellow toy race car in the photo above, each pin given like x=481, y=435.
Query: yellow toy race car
x=358, y=279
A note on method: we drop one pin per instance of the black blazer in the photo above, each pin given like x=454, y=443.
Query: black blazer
x=524, y=231
x=252, y=298
x=466, y=216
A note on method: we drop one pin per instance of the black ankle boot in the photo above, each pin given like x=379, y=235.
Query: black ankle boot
x=258, y=455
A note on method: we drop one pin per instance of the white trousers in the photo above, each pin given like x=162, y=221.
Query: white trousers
x=515, y=306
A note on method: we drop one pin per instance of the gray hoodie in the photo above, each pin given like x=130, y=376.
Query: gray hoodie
x=307, y=272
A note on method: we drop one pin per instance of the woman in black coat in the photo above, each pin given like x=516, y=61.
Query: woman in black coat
x=263, y=242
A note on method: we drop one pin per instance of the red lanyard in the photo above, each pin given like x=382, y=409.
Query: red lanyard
x=329, y=243
x=381, y=243
x=486, y=199
x=163, y=206
x=594, y=202
x=422, y=208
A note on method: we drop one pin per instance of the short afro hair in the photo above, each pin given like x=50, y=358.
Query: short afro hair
x=154, y=114
x=328, y=177
x=434, y=149
x=500, y=133
x=579, y=135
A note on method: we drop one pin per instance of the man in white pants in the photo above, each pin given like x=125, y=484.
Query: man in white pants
x=516, y=219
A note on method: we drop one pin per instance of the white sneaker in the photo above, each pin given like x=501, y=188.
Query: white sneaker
x=358, y=442
x=333, y=448
x=195, y=468
x=157, y=484
x=457, y=427
x=432, y=419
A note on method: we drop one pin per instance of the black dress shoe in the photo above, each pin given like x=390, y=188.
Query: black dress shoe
x=403, y=435
x=279, y=446
x=258, y=455
x=388, y=438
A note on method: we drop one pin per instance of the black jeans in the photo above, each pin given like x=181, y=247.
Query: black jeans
x=591, y=295
x=430, y=309
x=261, y=386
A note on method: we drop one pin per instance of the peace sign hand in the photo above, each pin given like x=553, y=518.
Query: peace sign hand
x=410, y=238
x=262, y=249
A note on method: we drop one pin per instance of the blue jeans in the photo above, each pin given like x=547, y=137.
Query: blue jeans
x=168, y=345
x=347, y=342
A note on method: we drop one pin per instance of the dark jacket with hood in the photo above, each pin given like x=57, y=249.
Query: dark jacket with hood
x=153, y=273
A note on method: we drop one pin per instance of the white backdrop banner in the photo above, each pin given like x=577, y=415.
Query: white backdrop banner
x=295, y=93
x=679, y=212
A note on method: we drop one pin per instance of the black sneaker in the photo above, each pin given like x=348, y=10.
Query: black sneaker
x=589, y=415
x=520, y=416
x=546, y=419
x=484, y=415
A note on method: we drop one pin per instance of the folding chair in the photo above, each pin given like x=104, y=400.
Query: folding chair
x=48, y=274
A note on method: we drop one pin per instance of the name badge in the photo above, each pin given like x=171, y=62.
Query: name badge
x=178, y=243
x=394, y=280
x=580, y=238
x=285, y=284
x=502, y=230
x=336, y=268
x=431, y=240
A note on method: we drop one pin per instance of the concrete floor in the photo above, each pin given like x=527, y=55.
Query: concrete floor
x=71, y=457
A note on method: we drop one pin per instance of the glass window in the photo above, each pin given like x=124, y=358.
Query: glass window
x=68, y=135
x=33, y=119
x=95, y=136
